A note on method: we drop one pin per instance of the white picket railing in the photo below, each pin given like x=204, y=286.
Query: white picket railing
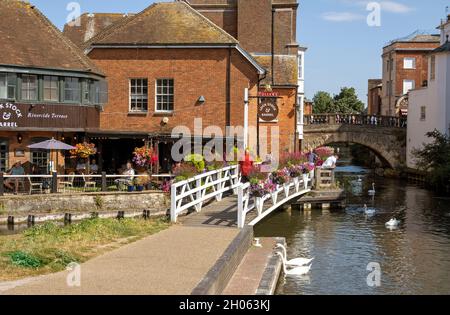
x=196, y=191
x=246, y=203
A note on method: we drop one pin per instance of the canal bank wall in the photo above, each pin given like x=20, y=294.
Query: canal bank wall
x=157, y=203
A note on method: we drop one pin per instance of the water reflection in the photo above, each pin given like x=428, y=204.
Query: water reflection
x=415, y=257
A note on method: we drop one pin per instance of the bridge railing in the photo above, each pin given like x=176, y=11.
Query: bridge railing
x=356, y=119
x=195, y=192
x=267, y=204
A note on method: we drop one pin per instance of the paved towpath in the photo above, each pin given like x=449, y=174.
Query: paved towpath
x=173, y=261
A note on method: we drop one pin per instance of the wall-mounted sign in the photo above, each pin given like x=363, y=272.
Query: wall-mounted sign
x=268, y=109
x=17, y=116
x=268, y=94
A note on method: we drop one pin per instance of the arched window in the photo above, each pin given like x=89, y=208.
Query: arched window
x=4, y=152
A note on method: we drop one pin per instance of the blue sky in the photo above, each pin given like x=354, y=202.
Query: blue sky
x=343, y=49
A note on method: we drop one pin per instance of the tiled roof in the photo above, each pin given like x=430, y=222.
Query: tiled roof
x=29, y=39
x=173, y=23
x=286, y=69
x=90, y=24
x=444, y=48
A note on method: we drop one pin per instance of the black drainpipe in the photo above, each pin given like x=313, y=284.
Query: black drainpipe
x=273, y=47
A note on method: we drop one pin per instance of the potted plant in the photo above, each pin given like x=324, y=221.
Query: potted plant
x=142, y=181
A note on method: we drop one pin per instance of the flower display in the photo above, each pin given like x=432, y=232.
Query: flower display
x=144, y=157
x=296, y=170
x=288, y=159
x=84, y=150
x=281, y=176
x=324, y=152
x=260, y=188
x=307, y=167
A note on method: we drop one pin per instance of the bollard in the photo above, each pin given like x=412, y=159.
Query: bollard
x=121, y=215
x=10, y=220
x=68, y=217
x=2, y=184
x=104, y=187
x=31, y=220
x=54, y=182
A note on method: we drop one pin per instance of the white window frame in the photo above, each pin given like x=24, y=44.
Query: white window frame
x=131, y=110
x=52, y=89
x=77, y=89
x=409, y=59
x=7, y=86
x=27, y=88
x=423, y=113
x=156, y=96
x=412, y=88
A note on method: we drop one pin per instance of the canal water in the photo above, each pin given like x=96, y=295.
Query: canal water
x=413, y=259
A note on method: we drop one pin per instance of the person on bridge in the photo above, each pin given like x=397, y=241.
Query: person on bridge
x=330, y=163
x=246, y=166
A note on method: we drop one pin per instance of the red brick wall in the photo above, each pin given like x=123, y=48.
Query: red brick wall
x=196, y=72
x=419, y=74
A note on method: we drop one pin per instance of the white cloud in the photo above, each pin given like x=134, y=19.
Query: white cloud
x=395, y=7
x=342, y=16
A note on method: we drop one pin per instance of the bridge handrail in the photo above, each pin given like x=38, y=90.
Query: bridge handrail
x=247, y=204
x=195, y=191
x=356, y=119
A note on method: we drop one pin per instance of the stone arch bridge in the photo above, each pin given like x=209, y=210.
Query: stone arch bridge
x=385, y=136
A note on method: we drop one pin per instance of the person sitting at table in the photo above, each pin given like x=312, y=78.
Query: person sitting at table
x=94, y=167
x=81, y=167
x=127, y=181
x=13, y=183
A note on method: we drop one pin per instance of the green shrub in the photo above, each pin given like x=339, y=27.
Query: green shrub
x=196, y=160
x=26, y=260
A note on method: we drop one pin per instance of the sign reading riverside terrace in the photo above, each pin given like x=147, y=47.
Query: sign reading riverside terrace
x=268, y=109
x=18, y=116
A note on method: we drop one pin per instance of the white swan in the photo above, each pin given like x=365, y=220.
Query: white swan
x=297, y=271
x=393, y=223
x=294, y=262
x=372, y=192
x=369, y=211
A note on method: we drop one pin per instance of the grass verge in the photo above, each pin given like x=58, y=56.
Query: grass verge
x=50, y=248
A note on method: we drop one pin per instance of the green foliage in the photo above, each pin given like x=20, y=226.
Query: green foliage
x=184, y=171
x=346, y=102
x=434, y=158
x=25, y=260
x=323, y=103
x=98, y=200
x=197, y=160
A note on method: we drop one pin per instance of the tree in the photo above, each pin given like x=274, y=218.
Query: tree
x=434, y=158
x=323, y=103
x=347, y=101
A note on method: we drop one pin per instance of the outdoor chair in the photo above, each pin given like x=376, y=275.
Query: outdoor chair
x=35, y=187
x=88, y=183
x=68, y=183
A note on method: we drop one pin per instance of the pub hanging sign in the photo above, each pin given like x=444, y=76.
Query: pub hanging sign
x=268, y=109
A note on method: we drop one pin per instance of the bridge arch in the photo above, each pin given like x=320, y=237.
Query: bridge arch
x=389, y=144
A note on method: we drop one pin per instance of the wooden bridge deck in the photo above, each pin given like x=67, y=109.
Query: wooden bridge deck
x=219, y=214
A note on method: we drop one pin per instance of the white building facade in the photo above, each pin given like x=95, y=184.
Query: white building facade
x=301, y=93
x=429, y=107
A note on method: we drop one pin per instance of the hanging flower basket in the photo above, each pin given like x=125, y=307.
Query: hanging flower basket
x=144, y=157
x=84, y=150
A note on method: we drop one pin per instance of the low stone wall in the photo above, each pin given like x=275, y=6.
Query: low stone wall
x=157, y=202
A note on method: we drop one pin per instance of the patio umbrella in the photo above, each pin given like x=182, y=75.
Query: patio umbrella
x=51, y=145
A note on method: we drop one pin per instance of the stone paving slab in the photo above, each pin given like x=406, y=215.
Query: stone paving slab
x=248, y=276
x=173, y=261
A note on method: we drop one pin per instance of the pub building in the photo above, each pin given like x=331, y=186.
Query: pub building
x=177, y=61
x=48, y=89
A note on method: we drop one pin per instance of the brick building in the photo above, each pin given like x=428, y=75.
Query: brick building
x=205, y=54
x=405, y=68
x=48, y=87
x=375, y=90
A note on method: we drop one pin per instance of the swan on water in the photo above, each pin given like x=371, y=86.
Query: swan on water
x=369, y=211
x=393, y=223
x=294, y=262
x=297, y=271
x=372, y=191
